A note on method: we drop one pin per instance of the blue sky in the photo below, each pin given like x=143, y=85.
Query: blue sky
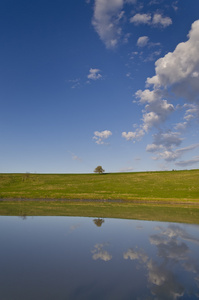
x=100, y=82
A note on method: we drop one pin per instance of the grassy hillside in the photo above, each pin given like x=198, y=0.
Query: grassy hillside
x=174, y=186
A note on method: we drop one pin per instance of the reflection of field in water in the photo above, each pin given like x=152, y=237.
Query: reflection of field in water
x=95, y=258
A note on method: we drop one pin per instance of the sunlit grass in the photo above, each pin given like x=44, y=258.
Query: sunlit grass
x=175, y=185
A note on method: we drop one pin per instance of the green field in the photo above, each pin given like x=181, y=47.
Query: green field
x=166, y=196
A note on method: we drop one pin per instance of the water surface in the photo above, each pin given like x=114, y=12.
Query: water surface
x=86, y=258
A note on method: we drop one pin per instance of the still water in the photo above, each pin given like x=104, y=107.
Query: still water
x=86, y=258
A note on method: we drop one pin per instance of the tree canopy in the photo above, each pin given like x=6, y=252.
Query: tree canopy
x=99, y=170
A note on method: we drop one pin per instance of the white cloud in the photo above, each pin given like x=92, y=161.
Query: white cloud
x=75, y=83
x=156, y=111
x=175, y=5
x=195, y=74
x=141, y=19
x=94, y=74
x=178, y=72
x=165, y=150
x=167, y=139
x=138, y=134
x=101, y=136
x=142, y=41
x=158, y=19
x=192, y=111
x=181, y=126
x=107, y=15
x=147, y=19
x=178, y=67
x=129, y=135
x=75, y=157
x=152, y=56
x=153, y=147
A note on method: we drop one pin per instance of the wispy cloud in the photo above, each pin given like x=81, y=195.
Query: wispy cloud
x=75, y=83
x=126, y=169
x=94, y=74
x=186, y=163
x=164, y=146
x=75, y=157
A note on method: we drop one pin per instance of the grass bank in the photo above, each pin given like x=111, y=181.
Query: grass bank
x=164, y=196
x=124, y=210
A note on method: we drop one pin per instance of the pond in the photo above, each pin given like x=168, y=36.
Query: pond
x=87, y=258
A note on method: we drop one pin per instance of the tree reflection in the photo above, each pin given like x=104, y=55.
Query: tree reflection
x=98, y=222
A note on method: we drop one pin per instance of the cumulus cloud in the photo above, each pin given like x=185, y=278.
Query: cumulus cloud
x=142, y=41
x=94, y=74
x=176, y=72
x=141, y=19
x=167, y=139
x=107, y=15
x=156, y=111
x=100, y=136
x=136, y=135
x=156, y=20
x=179, y=68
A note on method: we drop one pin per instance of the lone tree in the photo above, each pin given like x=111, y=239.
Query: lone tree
x=99, y=170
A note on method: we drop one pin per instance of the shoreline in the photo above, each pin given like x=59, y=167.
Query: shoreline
x=122, y=201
